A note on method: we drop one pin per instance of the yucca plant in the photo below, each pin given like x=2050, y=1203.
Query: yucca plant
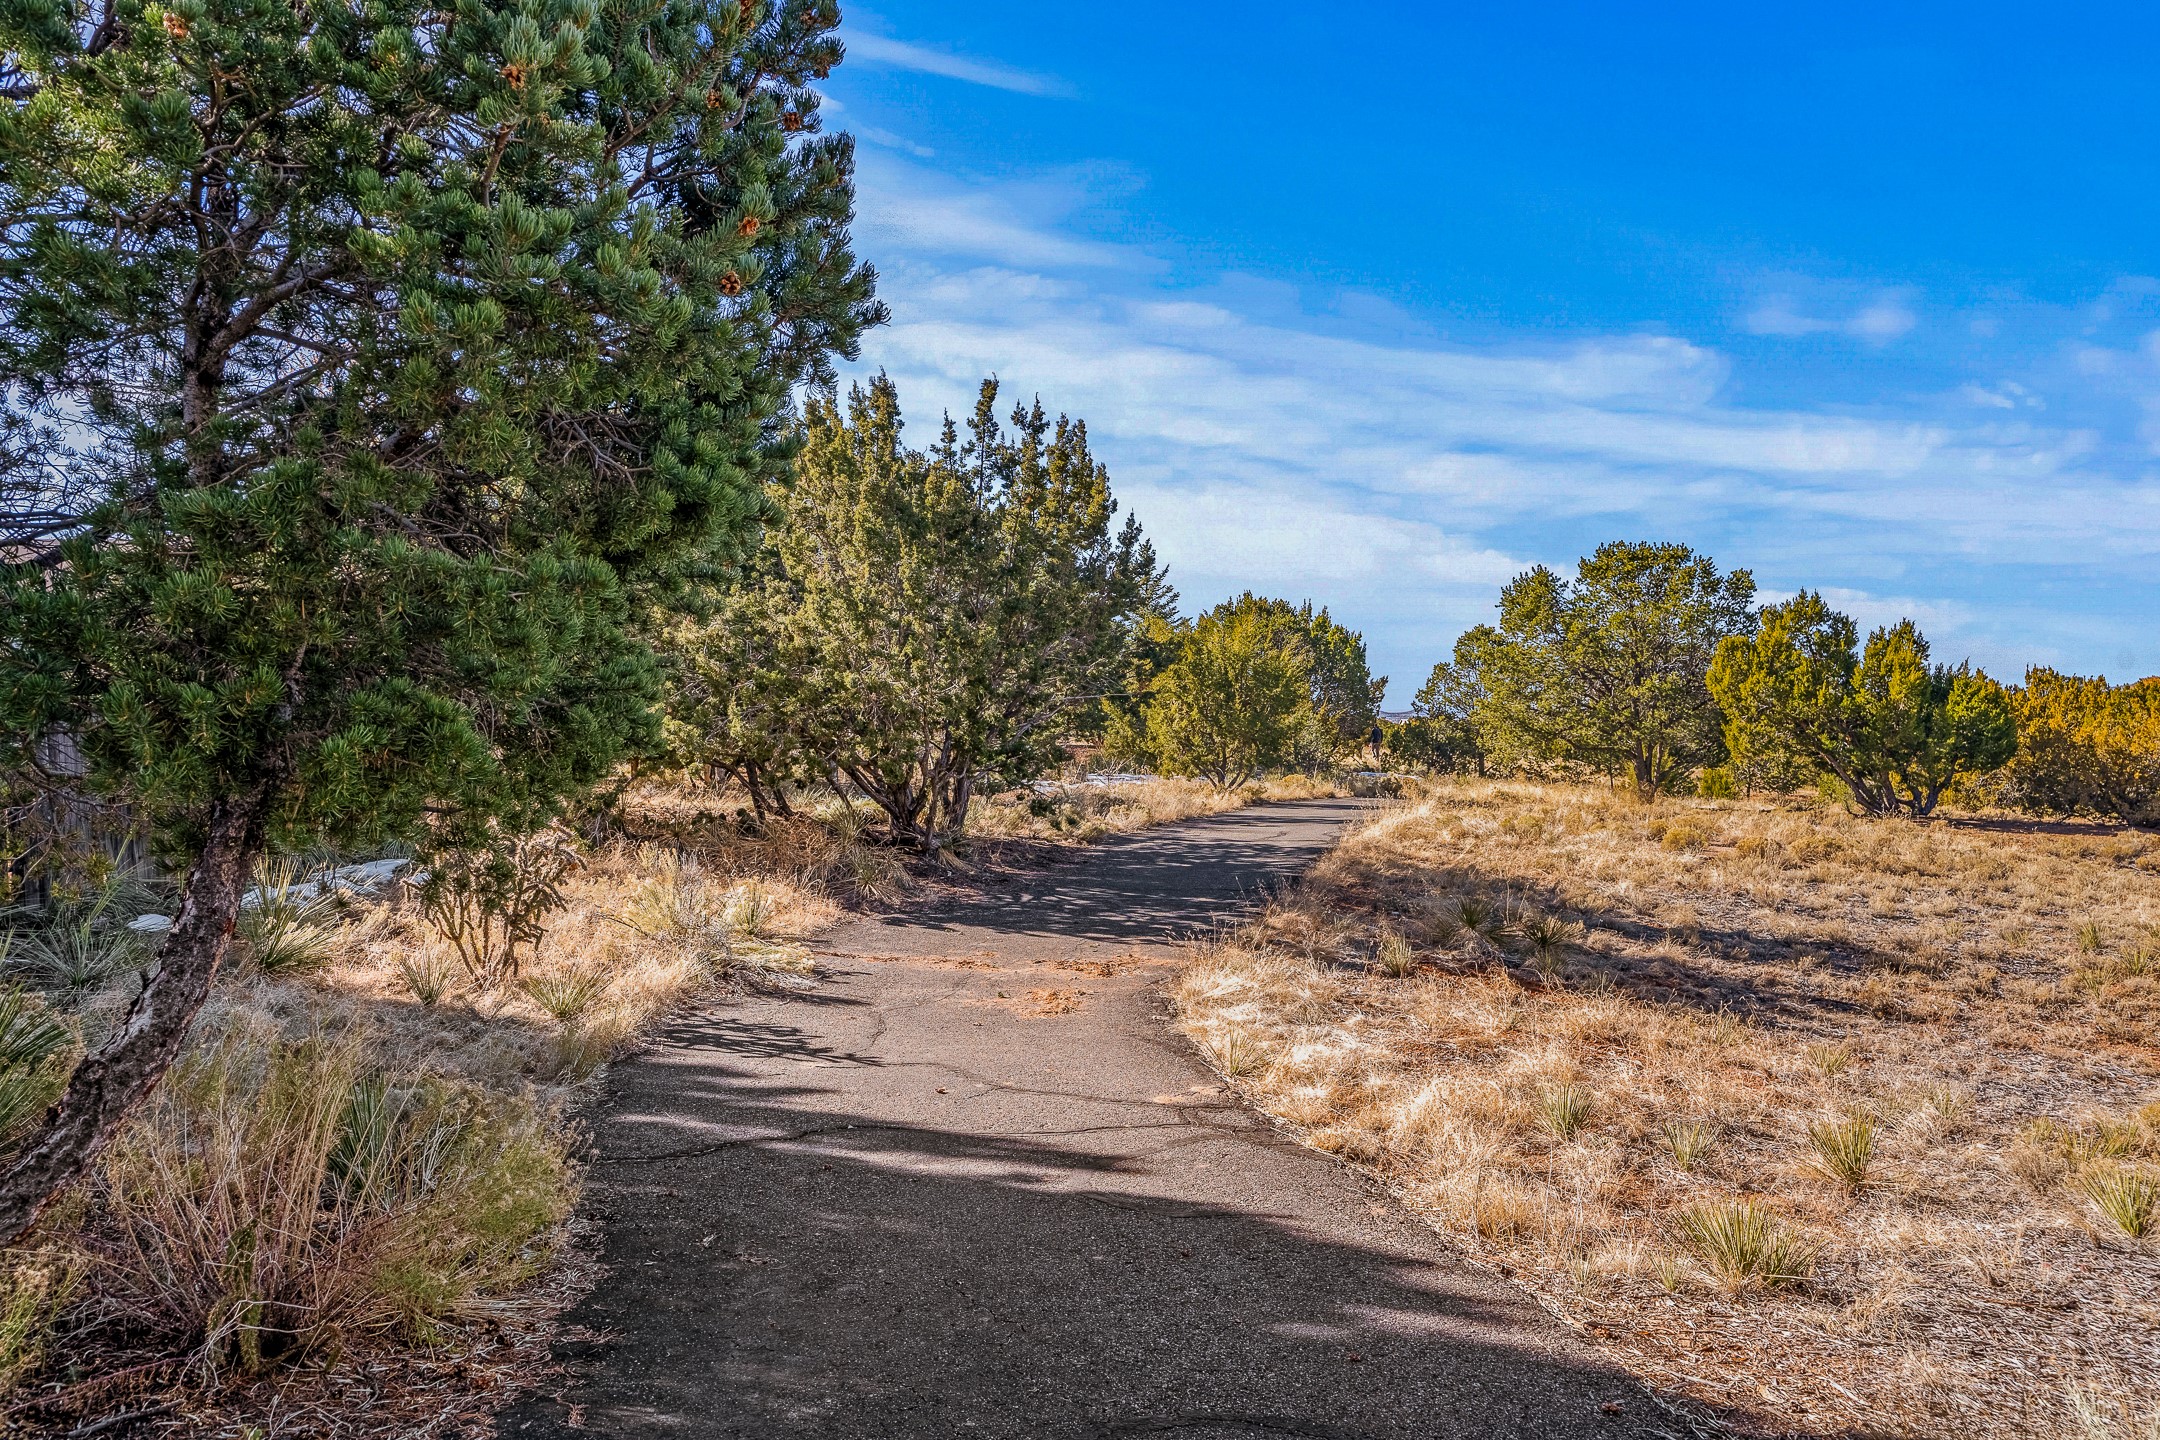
x=2126, y=1195
x=1394, y=956
x=1548, y=937
x=1833, y=1058
x=291, y=924
x=1689, y=1141
x=1477, y=916
x=1745, y=1246
x=1565, y=1109
x=567, y=993
x=1844, y=1149
x=874, y=874
x=79, y=956
x=428, y=974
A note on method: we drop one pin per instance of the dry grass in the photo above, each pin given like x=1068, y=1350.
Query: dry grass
x=364, y=1147
x=1838, y=1126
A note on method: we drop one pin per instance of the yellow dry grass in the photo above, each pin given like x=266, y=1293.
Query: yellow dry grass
x=689, y=900
x=1822, y=1121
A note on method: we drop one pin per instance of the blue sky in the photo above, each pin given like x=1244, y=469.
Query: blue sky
x=1379, y=305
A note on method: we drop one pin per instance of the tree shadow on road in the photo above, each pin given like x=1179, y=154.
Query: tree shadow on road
x=780, y=1267
x=1152, y=885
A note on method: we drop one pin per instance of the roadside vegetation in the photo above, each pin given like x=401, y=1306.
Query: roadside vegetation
x=367, y=1159
x=1838, y=1126
x=1657, y=995
x=450, y=617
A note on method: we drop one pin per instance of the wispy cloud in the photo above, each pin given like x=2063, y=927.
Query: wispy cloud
x=1403, y=480
x=912, y=211
x=932, y=60
x=1878, y=322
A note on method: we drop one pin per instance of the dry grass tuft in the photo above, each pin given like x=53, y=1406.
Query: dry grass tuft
x=281, y=1198
x=1946, y=1021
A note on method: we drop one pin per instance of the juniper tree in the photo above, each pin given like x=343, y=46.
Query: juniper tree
x=925, y=620
x=1343, y=694
x=1235, y=700
x=1441, y=732
x=2086, y=745
x=388, y=361
x=1607, y=670
x=1895, y=729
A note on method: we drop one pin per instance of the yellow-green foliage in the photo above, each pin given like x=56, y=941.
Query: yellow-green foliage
x=1234, y=700
x=2086, y=745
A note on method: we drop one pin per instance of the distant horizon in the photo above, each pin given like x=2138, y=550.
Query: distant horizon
x=1860, y=303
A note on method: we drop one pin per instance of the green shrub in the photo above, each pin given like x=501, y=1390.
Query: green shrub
x=1717, y=783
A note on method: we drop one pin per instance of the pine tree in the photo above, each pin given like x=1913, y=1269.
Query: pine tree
x=386, y=363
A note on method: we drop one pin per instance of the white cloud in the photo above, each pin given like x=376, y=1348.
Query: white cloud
x=1878, y=322
x=907, y=210
x=1399, y=481
x=877, y=135
x=933, y=60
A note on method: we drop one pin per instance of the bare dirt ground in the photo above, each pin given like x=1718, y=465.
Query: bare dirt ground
x=974, y=1185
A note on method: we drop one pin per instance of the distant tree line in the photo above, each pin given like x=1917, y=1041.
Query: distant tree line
x=1651, y=667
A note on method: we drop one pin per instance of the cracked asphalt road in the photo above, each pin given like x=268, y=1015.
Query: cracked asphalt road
x=976, y=1185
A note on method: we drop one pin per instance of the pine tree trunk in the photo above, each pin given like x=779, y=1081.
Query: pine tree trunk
x=111, y=1082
